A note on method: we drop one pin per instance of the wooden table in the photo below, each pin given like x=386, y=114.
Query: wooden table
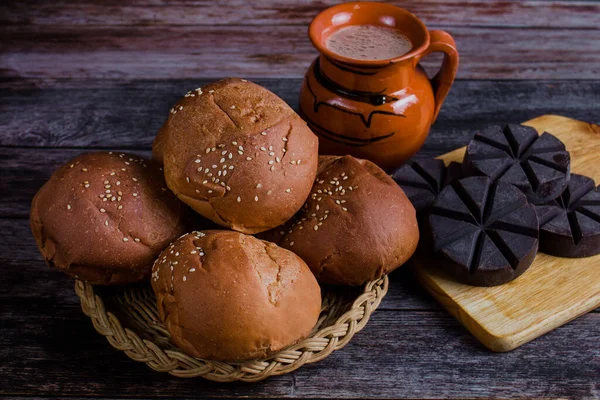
x=85, y=75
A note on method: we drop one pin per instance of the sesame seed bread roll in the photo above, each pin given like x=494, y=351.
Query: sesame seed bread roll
x=238, y=155
x=228, y=296
x=356, y=225
x=105, y=217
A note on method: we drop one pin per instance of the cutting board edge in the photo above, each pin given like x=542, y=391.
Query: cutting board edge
x=502, y=343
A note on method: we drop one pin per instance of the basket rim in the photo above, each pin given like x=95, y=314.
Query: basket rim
x=316, y=347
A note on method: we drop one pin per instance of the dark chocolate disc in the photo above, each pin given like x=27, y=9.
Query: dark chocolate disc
x=486, y=231
x=538, y=165
x=422, y=180
x=570, y=225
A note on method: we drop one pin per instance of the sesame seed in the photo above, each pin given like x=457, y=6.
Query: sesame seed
x=71, y=166
x=134, y=179
x=263, y=133
x=68, y=206
x=187, y=178
x=255, y=198
x=193, y=269
x=232, y=107
x=201, y=254
x=125, y=239
x=344, y=208
x=228, y=188
x=270, y=148
x=120, y=207
x=209, y=192
x=288, y=190
x=277, y=159
x=208, y=150
x=258, y=186
x=224, y=172
x=84, y=169
x=263, y=148
x=184, y=278
x=271, y=162
x=206, y=170
x=230, y=156
x=316, y=228
x=291, y=244
x=137, y=239
x=298, y=161
x=87, y=185
x=272, y=153
x=197, y=161
x=180, y=108
x=239, y=199
x=211, y=91
x=284, y=150
x=269, y=192
x=102, y=210
x=284, y=139
x=248, y=158
x=135, y=195
x=234, y=143
x=231, y=167
x=241, y=153
x=293, y=162
x=224, y=152
x=193, y=252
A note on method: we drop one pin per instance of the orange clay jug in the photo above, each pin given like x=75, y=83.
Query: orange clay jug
x=380, y=110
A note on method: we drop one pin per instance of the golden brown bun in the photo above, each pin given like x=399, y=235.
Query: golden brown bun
x=356, y=225
x=238, y=155
x=158, y=146
x=228, y=296
x=104, y=218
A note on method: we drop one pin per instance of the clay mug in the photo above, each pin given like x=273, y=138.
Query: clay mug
x=380, y=110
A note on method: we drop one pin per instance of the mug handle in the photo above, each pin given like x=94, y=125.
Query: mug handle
x=441, y=41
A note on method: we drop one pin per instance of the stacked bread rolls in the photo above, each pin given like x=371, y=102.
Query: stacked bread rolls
x=238, y=155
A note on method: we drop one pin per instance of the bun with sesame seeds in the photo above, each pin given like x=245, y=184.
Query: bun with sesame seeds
x=228, y=296
x=104, y=218
x=356, y=225
x=238, y=155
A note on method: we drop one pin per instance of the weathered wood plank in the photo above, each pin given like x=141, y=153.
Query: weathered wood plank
x=398, y=354
x=129, y=115
x=529, y=13
x=176, y=52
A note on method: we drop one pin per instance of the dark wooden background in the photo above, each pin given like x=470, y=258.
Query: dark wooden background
x=77, y=75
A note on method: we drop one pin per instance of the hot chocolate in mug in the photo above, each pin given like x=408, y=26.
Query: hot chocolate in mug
x=373, y=100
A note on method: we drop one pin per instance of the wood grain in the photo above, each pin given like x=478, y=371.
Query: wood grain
x=504, y=13
x=552, y=292
x=398, y=355
x=97, y=113
x=178, y=52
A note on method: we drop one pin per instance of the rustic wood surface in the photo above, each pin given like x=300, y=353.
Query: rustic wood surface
x=84, y=75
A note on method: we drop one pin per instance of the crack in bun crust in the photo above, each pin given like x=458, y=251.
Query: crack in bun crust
x=104, y=217
x=228, y=296
x=356, y=225
x=238, y=155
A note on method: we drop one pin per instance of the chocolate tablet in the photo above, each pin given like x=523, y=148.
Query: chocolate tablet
x=538, y=165
x=422, y=180
x=486, y=231
x=570, y=225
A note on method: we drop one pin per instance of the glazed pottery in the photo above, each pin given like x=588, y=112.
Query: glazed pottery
x=380, y=110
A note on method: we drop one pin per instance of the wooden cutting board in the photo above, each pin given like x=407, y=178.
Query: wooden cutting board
x=552, y=292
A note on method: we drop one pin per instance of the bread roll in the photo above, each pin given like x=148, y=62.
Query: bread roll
x=104, y=217
x=228, y=296
x=356, y=225
x=238, y=155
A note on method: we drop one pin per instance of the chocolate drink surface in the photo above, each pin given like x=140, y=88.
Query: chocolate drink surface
x=570, y=224
x=538, y=165
x=486, y=231
x=368, y=42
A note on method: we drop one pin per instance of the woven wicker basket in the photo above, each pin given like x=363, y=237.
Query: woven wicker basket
x=129, y=319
